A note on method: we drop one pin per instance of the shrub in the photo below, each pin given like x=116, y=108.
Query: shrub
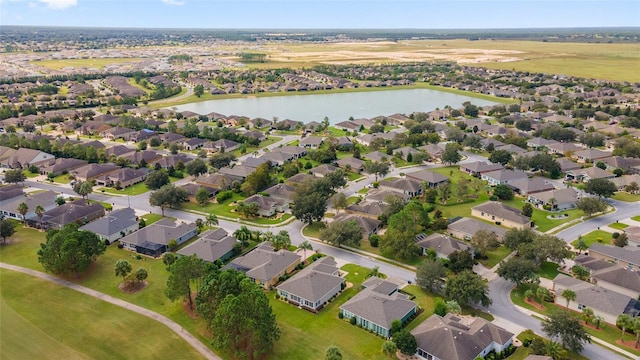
x=374, y=240
x=493, y=198
x=106, y=242
x=138, y=257
x=277, y=296
x=340, y=316
x=352, y=320
x=224, y=195
x=615, y=235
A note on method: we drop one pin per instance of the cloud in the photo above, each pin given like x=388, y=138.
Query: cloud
x=173, y=2
x=59, y=4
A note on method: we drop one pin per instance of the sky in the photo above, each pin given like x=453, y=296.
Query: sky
x=322, y=14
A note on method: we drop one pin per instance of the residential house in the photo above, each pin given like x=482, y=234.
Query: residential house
x=237, y=171
x=627, y=257
x=22, y=158
x=625, y=180
x=78, y=211
x=314, y=286
x=221, y=145
x=123, y=177
x=562, y=148
x=116, y=133
x=369, y=226
x=115, y=225
x=554, y=200
x=466, y=228
x=168, y=161
x=404, y=152
x=458, y=337
x=211, y=246
x=629, y=165
x=434, y=150
x=501, y=214
x=193, y=143
x=366, y=208
x=143, y=157
x=311, y=142
x=590, y=155
x=268, y=206
x=60, y=165
x=298, y=179
x=378, y=305
x=512, y=149
x=604, y=302
x=567, y=165
x=502, y=177
x=322, y=170
x=382, y=195
x=587, y=174
x=406, y=186
x=534, y=185
x=281, y=192
x=377, y=156
x=93, y=171
x=264, y=265
x=611, y=276
x=538, y=142
x=351, y=164
x=477, y=168
x=432, y=179
x=153, y=240
x=443, y=245
x=13, y=196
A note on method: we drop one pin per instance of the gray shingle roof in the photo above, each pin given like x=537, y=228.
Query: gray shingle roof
x=160, y=232
x=595, y=296
x=472, y=226
x=625, y=254
x=315, y=281
x=210, y=246
x=263, y=264
x=501, y=210
x=455, y=337
x=443, y=244
x=115, y=222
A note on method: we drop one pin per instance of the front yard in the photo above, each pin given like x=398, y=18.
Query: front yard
x=625, y=196
x=596, y=236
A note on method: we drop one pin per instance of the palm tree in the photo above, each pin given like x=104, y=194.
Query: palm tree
x=582, y=245
x=305, y=245
x=624, y=322
x=598, y=321
x=83, y=188
x=282, y=240
x=23, y=209
x=554, y=349
x=39, y=210
x=552, y=201
x=243, y=235
x=528, y=294
x=636, y=329
x=257, y=234
x=569, y=295
x=542, y=294
x=269, y=237
x=453, y=307
x=375, y=272
x=211, y=219
x=587, y=314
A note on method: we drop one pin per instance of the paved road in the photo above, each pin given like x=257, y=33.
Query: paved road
x=172, y=325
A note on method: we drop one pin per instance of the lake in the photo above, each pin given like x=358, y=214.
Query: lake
x=337, y=107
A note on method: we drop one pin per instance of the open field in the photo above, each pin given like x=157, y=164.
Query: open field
x=61, y=323
x=601, y=61
x=88, y=63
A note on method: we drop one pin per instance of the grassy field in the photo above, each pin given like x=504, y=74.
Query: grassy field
x=548, y=270
x=60, y=323
x=594, y=236
x=619, y=226
x=625, y=196
x=88, y=63
x=636, y=218
x=495, y=256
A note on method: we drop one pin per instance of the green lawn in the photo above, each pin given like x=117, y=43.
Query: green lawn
x=313, y=230
x=619, y=226
x=636, y=218
x=363, y=191
x=40, y=320
x=151, y=218
x=522, y=352
x=607, y=333
x=540, y=219
x=136, y=189
x=495, y=256
x=225, y=209
x=62, y=179
x=548, y=270
x=599, y=236
x=625, y=196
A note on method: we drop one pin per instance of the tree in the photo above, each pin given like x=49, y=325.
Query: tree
x=527, y=210
x=444, y=191
x=569, y=295
x=430, y=275
x=554, y=349
x=399, y=240
x=243, y=235
x=305, y=245
x=439, y=306
x=157, y=179
x=141, y=274
x=247, y=209
x=587, y=314
x=243, y=322
x=23, y=209
x=600, y=187
x=211, y=220
x=592, y=139
x=500, y=157
x=389, y=348
x=168, y=196
x=377, y=168
x=182, y=273
x=462, y=190
x=333, y=353
x=542, y=294
x=405, y=342
x=598, y=321
x=467, y=288
x=503, y=192
x=339, y=201
x=636, y=329
x=453, y=307
x=7, y=228
x=545, y=247
x=484, y=240
x=624, y=322
x=202, y=196
x=451, y=154
x=581, y=272
x=460, y=260
x=257, y=180
x=591, y=205
x=198, y=90
x=561, y=324
x=309, y=201
x=196, y=167
x=14, y=176
x=632, y=188
x=69, y=250
x=518, y=270
x=338, y=233
x=281, y=240
x=514, y=237
x=123, y=268
x=83, y=188
x=621, y=241
x=39, y=211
